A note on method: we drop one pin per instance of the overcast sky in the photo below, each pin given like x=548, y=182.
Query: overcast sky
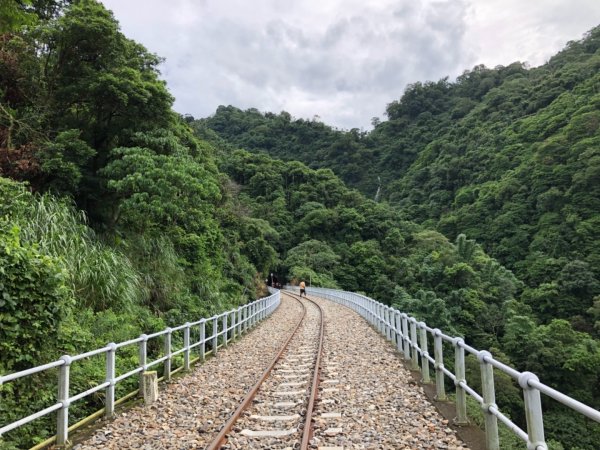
x=341, y=60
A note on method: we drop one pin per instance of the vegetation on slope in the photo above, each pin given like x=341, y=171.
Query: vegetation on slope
x=509, y=158
x=121, y=219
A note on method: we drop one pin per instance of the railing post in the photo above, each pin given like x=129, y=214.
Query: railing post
x=373, y=309
x=233, y=324
x=393, y=326
x=376, y=322
x=440, y=389
x=215, y=328
x=186, y=347
x=460, y=373
x=167, y=371
x=142, y=355
x=202, y=340
x=413, y=339
x=406, y=336
x=62, y=418
x=109, y=401
x=239, y=321
x=386, y=319
x=489, y=400
x=225, y=329
x=245, y=318
x=399, y=335
x=533, y=412
x=424, y=353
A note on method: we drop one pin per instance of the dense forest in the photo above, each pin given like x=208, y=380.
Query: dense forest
x=508, y=157
x=474, y=206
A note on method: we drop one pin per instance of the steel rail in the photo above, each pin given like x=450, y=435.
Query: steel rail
x=307, y=432
x=221, y=438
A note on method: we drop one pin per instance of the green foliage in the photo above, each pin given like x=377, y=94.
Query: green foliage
x=63, y=160
x=97, y=275
x=13, y=15
x=34, y=297
x=181, y=224
x=156, y=192
x=506, y=156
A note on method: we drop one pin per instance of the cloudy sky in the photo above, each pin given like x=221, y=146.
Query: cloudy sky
x=341, y=60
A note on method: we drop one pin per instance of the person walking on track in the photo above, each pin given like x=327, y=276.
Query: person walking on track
x=302, y=288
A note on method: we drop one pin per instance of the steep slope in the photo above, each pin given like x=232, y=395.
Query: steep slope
x=508, y=156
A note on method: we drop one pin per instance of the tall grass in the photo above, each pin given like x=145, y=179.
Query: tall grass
x=101, y=277
x=161, y=269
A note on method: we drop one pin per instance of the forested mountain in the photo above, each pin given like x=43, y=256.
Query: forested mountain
x=118, y=216
x=508, y=156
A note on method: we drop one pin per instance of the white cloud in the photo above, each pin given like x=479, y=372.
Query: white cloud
x=343, y=60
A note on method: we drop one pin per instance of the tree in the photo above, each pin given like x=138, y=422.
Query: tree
x=158, y=192
x=99, y=81
x=13, y=15
x=313, y=254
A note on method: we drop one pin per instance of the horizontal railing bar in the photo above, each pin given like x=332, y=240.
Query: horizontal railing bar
x=178, y=352
x=449, y=374
x=84, y=421
x=386, y=322
x=89, y=354
x=468, y=389
x=158, y=333
x=30, y=418
x=509, y=423
x=89, y=392
x=33, y=370
x=468, y=348
x=266, y=303
x=503, y=367
x=128, y=374
x=566, y=400
x=158, y=361
x=129, y=342
x=447, y=338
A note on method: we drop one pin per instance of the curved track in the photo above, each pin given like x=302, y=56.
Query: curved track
x=296, y=364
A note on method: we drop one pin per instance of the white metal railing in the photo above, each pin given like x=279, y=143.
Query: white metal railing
x=232, y=324
x=403, y=330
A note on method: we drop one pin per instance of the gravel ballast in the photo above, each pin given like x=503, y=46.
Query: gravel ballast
x=367, y=399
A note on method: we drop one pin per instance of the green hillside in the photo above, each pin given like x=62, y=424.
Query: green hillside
x=508, y=156
x=118, y=216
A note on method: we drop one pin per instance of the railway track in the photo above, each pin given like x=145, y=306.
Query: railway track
x=277, y=411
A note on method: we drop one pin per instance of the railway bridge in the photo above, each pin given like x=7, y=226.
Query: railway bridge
x=331, y=371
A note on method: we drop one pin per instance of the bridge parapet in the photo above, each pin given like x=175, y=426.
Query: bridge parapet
x=233, y=324
x=412, y=338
